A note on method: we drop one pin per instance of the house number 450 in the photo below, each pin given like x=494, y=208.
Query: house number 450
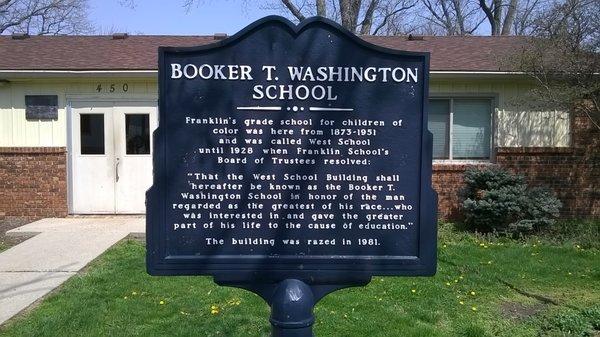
x=113, y=88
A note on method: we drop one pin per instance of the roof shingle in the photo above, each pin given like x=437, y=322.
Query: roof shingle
x=139, y=52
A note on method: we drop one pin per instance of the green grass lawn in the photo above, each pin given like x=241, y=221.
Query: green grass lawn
x=484, y=287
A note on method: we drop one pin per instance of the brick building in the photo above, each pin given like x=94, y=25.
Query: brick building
x=77, y=112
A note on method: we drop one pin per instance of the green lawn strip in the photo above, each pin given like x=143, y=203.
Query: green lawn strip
x=116, y=297
x=560, y=273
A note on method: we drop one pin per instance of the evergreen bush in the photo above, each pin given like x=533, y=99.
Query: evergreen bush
x=498, y=200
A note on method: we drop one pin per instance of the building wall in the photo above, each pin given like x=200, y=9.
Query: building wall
x=33, y=153
x=447, y=181
x=17, y=131
x=33, y=181
x=516, y=124
x=572, y=173
x=515, y=127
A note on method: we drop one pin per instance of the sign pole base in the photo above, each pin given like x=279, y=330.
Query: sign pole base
x=292, y=309
x=292, y=302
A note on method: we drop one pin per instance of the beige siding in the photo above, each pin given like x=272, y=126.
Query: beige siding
x=17, y=131
x=516, y=125
x=6, y=120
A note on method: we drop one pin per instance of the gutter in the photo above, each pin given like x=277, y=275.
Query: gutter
x=448, y=74
x=16, y=74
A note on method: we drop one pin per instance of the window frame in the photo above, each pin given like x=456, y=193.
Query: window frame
x=493, y=97
x=104, y=147
x=125, y=154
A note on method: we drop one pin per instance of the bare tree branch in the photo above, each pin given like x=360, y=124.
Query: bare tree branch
x=564, y=58
x=489, y=14
x=368, y=20
x=44, y=16
x=454, y=17
x=391, y=15
x=460, y=18
x=524, y=15
x=293, y=9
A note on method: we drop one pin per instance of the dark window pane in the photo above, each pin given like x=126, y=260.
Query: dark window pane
x=471, y=129
x=92, y=133
x=438, y=124
x=137, y=133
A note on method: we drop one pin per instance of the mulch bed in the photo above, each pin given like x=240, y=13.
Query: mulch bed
x=520, y=311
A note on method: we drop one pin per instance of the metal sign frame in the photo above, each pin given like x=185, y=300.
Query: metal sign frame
x=315, y=270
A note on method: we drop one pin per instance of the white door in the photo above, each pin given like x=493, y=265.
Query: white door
x=111, y=156
x=92, y=157
x=133, y=155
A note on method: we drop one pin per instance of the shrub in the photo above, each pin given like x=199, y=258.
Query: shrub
x=497, y=200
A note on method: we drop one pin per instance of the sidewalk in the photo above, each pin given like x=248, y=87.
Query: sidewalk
x=60, y=248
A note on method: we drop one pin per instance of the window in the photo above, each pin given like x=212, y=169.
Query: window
x=461, y=127
x=92, y=133
x=137, y=133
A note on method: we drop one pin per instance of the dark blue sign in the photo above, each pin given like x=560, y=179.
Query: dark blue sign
x=292, y=152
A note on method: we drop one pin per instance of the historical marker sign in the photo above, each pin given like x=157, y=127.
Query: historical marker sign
x=292, y=152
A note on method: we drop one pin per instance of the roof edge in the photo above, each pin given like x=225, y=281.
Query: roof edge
x=49, y=73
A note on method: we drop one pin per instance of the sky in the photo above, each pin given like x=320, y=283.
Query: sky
x=168, y=17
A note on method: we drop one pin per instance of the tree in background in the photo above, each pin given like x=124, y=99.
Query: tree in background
x=435, y=17
x=361, y=17
x=452, y=17
x=402, y=17
x=44, y=17
x=525, y=15
x=563, y=57
x=500, y=15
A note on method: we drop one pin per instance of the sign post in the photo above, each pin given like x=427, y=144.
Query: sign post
x=292, y=161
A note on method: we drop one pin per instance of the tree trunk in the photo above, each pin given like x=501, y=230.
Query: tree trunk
x=460, y=18
x=509, y=19
x=367, y=23
x=493, y=13
x=321, y=8
x=448, y=23
x=349, y=10
x=497, y=16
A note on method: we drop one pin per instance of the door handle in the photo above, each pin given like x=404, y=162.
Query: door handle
x=117, y=170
